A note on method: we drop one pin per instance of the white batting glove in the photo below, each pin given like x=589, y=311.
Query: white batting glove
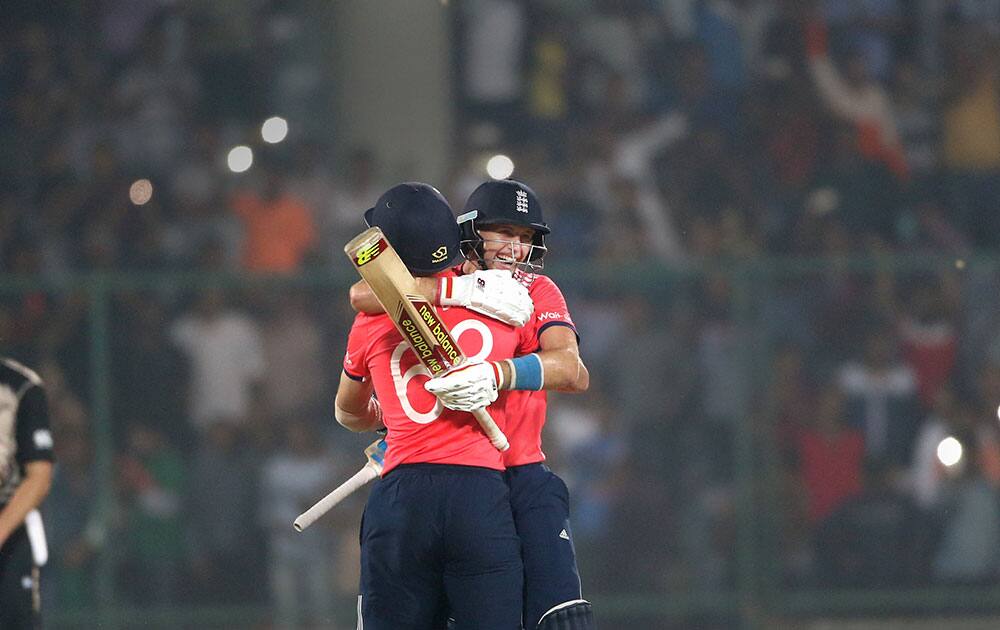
x=468, y=387
x=494, y=293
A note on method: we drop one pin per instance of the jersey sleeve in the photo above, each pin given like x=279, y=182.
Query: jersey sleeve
x=550, y=310
x=355, y=359
x=34, y=436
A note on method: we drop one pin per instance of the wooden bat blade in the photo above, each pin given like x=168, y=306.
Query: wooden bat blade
x=395, y=288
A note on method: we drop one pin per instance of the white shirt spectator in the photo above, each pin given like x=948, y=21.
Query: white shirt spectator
x=633, y=159
x=226, y=360
x=301, y=566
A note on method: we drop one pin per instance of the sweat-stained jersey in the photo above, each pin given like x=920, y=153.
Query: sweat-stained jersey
x=525, y=410
x=421, y=429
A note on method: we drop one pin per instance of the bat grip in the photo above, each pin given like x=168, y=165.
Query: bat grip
x=489, y=425
x=341, y=492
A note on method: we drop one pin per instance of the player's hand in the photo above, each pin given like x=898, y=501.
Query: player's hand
x=494, y=293
x=466, y=388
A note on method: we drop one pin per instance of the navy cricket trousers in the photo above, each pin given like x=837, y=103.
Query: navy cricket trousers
x=437, y=538
x=540, y=502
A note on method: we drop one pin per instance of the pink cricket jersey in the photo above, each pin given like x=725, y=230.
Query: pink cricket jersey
x=421, y=430
x=525, y=410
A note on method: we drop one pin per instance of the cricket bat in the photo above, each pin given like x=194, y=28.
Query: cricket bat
x=414, y=317
x=372, y=468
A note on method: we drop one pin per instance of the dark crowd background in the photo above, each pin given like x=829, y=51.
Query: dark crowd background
x=776, y=223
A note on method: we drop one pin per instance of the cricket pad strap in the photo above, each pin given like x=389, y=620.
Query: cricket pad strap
x=576, y=614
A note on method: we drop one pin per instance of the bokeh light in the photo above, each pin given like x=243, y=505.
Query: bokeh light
x=500, y=166
x=140, y=192
x=949, y=451
x=274, y=129
x=240, y=158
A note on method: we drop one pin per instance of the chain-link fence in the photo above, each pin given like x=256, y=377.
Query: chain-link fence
x=762, y=441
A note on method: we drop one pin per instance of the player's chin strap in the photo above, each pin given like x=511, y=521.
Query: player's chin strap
x=576, y=614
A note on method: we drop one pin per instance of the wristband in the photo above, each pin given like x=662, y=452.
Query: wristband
x=526, y=373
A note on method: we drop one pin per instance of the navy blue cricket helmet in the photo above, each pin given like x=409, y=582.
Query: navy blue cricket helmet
x=504, y=201
x=419, y=224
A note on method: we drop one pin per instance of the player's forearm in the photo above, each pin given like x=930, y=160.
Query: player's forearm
x=28, y=496
x=562, y=370
x=366, y=417
x=355, y=408
x=363, y=299
x=562, y=367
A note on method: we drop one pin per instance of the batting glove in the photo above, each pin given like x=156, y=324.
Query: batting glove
x=468, y=387
x=494, y=293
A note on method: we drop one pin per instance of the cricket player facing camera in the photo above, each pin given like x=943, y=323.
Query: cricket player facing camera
x=438, y=534
x=503, y=230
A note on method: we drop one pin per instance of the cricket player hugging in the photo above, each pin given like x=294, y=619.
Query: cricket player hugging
x=503, y=231
x=438, y=534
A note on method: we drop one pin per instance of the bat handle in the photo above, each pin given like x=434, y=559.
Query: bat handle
x=489, y=425
x=342, y=491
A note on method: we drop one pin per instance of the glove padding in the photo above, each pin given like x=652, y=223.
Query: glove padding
x=494, y=293
x=466, y=388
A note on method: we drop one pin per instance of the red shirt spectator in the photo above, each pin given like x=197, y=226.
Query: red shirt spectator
x=831, y=456
x=929, y=339
x=930, y=349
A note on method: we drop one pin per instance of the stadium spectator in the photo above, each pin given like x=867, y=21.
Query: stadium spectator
x=929, y=337
x=222, y=519
x=150, y=372
x=830, y=456
x=970, y=533
x=871, y=539
x=725, y=388
x=223, y=346
x=916, y=121
x=868, y=26
x=492, y=73
x=300, y=566
x=928, y=476
x=970, y=139
x=295, y=383
x=280, y=230
x=153, y=481
x=153, y=97
x=856, y=97
x=355, y=188
x=881, y=399
x=71, y=517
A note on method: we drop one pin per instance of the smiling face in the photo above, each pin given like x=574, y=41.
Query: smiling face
x=506, y=245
